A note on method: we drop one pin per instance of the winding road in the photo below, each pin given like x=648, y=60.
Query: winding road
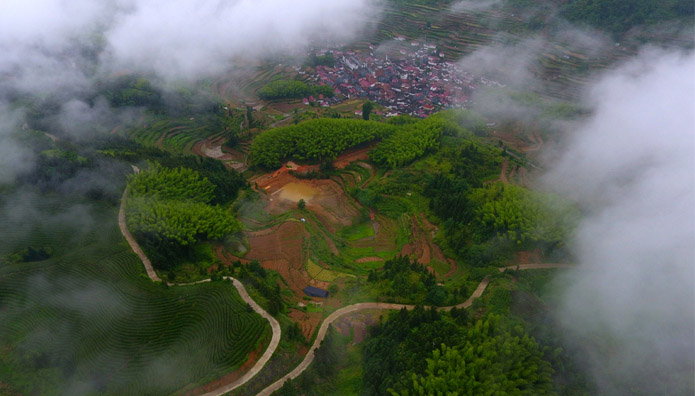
x=275, y=326
x=361, y=306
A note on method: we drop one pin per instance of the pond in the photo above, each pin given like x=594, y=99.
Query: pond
x=296, y=191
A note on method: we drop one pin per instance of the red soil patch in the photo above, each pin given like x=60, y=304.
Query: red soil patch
x=524, y=179
x=329, y=202
x=280, y=249
x=423, y=247
x=234, y=375
x=407, y=250
x=287, y=107
x=537, y=141
x=353, y=155
x=357, y=323
x=528, y=257
x=452, y=268
x=503, y=172
x=308, y=321
x=431, y=231
x=419, y=247
x=227, y=259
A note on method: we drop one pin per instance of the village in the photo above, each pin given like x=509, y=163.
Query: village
x=416, y=81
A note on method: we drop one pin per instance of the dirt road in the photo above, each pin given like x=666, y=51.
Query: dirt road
x=274, y=342
x=362, y=306
x=133, y=244
x=274, y=325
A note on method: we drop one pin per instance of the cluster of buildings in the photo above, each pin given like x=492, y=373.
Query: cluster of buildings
x=418, y=82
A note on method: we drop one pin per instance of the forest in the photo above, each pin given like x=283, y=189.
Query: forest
x=619, y=16
x=415, y=138
x=293, y=89
x=401, y=279
x=314, y=140
x=169, y=211
x=425, y=352
x=485, y=222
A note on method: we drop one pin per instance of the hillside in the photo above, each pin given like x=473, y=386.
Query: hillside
x=407, y=197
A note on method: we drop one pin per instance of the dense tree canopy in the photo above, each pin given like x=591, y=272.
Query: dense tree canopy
x=184, y=222
x=424, y=352
x=496, y=359
x=292, y=89
x=226, y=183
x=414, y=139
x=486, y=220
x=522, y=215
x=315, y=140
x=171, y=184
x=401, y=279
x=618, y=16
x=168, y=211
x=130, y=90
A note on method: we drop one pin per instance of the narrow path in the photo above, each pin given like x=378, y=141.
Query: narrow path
x=274, y=325
x=133, y=244
x=260, y=363
x=503, y=172
x=276, y=123
x=361, y=306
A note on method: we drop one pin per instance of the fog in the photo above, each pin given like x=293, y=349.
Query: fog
x=631, y=168
x=200, y=38
x=475, y=5
x=53, y=54
x=55, y=50
x=176, y=39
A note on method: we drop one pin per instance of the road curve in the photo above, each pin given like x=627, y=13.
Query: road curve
x=274, y=325
x=260, y=363
x=361, y=306
x=131, y=241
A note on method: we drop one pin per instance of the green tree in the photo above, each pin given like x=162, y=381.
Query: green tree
x=367, y=108
x=301, y=204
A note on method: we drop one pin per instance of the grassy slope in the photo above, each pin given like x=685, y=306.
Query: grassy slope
x=87, y=320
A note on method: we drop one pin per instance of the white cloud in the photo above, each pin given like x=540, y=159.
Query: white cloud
x=632, y=167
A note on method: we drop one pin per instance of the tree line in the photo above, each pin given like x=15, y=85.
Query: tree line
x=293, y=89
x=404, y=280
x=425, y=352
x=169, y=211
x=414, y=138
x=315, y=140
x=486, y=221
x=618, y=16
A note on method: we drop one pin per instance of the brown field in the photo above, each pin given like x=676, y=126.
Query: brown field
x=358, y=323
x=423, y=248
x=325, y=198
x=308, y=321
x=280, y=249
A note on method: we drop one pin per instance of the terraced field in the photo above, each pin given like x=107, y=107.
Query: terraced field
x=87, y=320
x=561, y=66
x=176, y=135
